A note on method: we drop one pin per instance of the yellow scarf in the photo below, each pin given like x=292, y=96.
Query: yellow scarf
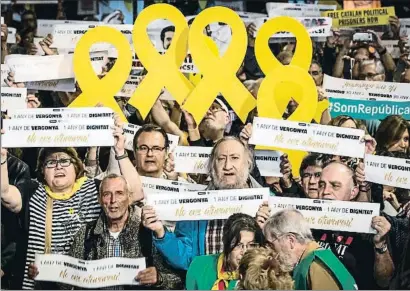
x=223, y=276
x=67, y=195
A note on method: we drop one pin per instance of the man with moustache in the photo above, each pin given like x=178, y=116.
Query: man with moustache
x=314, y=268
x=230, y=164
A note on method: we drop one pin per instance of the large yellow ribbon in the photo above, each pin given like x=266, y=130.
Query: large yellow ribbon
x=219, y=73
x=163, y=69
x=95, y=90
x=284, y=82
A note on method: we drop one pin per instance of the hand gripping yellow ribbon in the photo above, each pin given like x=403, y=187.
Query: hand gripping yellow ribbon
x=219, y=73
x=163, y=70
x=284, y=82
x=95, y=90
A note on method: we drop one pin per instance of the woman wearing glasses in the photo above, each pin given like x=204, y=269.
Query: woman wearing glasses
x=63, y=200
x=220, y=271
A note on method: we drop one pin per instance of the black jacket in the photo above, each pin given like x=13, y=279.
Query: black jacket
x=11, y=228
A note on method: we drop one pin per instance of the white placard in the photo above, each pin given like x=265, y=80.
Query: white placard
x=67, y=127
x=207, y=205
x=62, y=85
x=98, y=61
x=268, y=163
x=388, y=171
x=129, y=87
x=46, y=26
x=4, y=74
x=308, y=137
x=131, y=129
x=156, y=185
x=13, y=98
x=4, y=2
x=115, y=271
x=192, y=160
x=296, y=9
x=66, y=36
x=392, y=47
x=353, y=89
x=41, y=68
x=330, y=214
x=316, y=26
x=11, y=37
x=36, y=42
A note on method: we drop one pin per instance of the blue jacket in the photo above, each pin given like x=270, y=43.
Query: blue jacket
x=182, y=246
x=188, y=240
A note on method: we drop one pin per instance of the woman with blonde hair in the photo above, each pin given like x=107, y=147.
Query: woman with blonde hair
x=260, y=269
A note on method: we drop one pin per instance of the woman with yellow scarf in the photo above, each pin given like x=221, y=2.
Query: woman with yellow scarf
x=220, y=272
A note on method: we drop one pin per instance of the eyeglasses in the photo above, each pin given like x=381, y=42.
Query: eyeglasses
x=369, y=76
x=215, y=108
x=315, y=73
x=310, y=175
x=244, y=247
x=53, y=163
x=145, y=149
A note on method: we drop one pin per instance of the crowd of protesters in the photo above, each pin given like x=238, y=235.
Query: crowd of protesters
x=88, y=203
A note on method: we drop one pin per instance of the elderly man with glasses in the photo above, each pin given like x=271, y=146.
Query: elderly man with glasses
x=314, y=268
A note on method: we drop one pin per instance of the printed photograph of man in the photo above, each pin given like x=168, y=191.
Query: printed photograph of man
x=166, y=36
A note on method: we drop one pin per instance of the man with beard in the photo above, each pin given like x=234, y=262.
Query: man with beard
x=229, y=166
x=366, y=256
x=314, y=268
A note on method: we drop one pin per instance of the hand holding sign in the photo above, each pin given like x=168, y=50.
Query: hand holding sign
x=150, y=220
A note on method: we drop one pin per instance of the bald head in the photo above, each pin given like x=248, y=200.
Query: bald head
x=337, y=183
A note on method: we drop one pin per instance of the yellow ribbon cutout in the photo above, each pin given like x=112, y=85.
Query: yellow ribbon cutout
x=219, y=73
x=95, y=90
x=163, y=70
x=284, y=82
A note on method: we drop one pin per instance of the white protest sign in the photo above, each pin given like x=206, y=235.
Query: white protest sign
x=330, y=214
x=46, y=26
x=268, y=163
x=54, y=127
x=36, y=42
x=392, y=47
x=13, y=98
x=4, y=74
x=11, y=37
x=192, y=160
x=129, y=87
x=308, y=137
x=98, y=61
x=131, y=129
x=114, y=271
x=207, y=205
x=66, y=36
x=316, y=26
x=156, y=185
x=62, y=85
x=388, y=171
x=353, y=89
x=41, y=68
x=296, y=9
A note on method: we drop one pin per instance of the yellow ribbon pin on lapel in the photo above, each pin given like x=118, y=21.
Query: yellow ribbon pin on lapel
x=219, y=73
x=284, y=82
x=163, y=70
x=95, y=90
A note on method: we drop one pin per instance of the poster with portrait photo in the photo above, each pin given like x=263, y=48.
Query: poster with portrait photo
x=361, y=4
x=87, y=7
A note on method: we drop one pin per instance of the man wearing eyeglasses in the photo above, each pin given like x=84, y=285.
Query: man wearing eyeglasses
x=372, y=70
x=151, y=146
x=314, y=268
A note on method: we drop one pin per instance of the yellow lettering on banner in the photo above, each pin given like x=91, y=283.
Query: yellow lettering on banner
x=360, y=17
x=272, y=93
x=163, y=69
x=95, y=90
x=219, y=73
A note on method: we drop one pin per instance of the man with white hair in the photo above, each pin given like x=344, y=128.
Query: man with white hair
x=314, y=268
x=230, y=164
